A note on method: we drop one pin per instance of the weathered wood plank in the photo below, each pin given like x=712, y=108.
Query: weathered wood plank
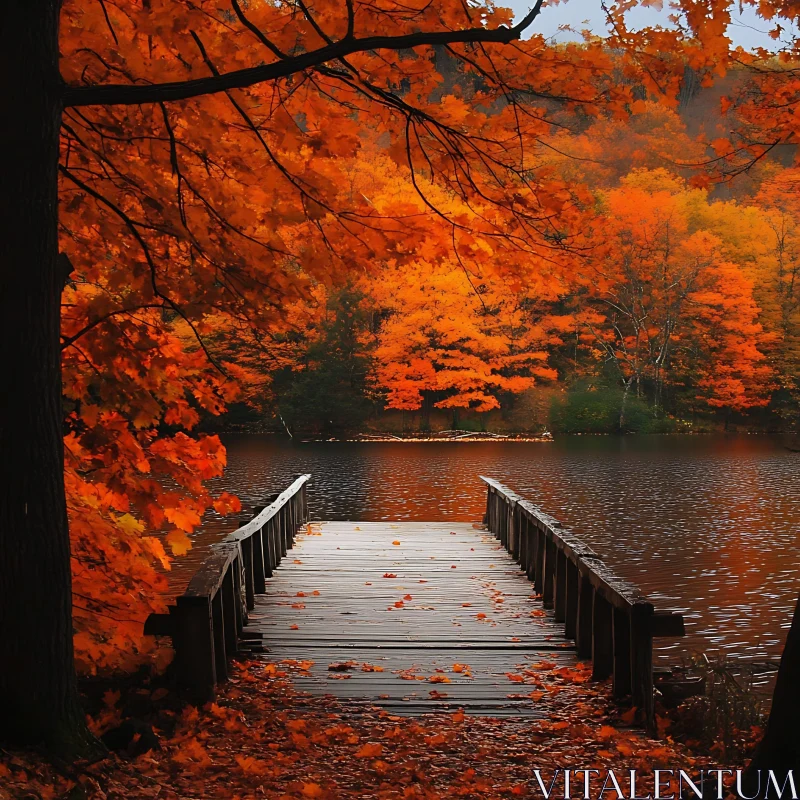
x=452, y=596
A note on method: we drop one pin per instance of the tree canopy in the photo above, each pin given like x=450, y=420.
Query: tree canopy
x=224, y=169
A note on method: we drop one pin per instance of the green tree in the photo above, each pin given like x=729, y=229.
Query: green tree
x=329, y=391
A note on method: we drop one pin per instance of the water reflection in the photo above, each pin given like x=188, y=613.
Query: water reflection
x=707, y=525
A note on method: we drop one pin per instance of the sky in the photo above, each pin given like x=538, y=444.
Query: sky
x=746, y=29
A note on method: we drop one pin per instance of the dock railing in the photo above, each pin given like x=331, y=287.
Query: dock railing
x=612, y=623
x=207, y=620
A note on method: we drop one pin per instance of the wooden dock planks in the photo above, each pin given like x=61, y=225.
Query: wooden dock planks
x=414, y=598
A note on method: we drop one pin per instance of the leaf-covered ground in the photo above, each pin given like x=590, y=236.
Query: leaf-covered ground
x=262, y=739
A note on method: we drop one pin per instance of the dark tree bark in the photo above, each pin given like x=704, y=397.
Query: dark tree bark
x=779, y=750
x=38, y=693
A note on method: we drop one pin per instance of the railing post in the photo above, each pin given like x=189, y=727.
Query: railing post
x=274, y=544
x=259, y=567
x=218, y=630
x=622, y=653
x=246, y=549
x=283, y=526
x=642, y=661
x=560, y=587
x=288, y=512
x=602, y=639
x=583, y=634
x=538, y=567
x=532, y=547
x=549, y=570
x=272, y=550
x=230, y=612
x=293, y=519
x=501, y=519
x=239, y=590
x=193, y=639
x=571, y=600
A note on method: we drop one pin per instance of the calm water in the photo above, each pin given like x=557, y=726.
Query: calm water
x=706, y=525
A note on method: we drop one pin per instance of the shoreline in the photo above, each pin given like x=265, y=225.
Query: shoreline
x=477, y=436
x=465, y=438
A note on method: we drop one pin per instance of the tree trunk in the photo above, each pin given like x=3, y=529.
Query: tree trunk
x=38, y=693
x=427, y=405
x=779, y=750
x=623, y=405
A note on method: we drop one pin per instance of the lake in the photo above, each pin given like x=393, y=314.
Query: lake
x=708, y=525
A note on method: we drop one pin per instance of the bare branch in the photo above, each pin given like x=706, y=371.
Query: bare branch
x=133, y=94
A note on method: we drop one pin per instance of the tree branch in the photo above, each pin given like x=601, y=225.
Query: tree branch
x=66, y=341
x=125, y=94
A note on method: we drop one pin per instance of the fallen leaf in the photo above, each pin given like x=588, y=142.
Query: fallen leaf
x=370, y=750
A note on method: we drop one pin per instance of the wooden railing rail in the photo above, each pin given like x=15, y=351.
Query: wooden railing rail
x=609, y=619
x=206, y=621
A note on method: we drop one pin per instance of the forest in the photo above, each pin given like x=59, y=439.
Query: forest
x=674, y=306
x=336, y=217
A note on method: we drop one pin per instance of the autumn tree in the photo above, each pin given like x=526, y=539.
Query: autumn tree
x=175, y=206
x=767, y=106
x=778, y=288
x=138, y=173
x=662, y=304
x=652, y=137
x=762, y=239
x=455, y=321
x=454, y=342
x=196, y=152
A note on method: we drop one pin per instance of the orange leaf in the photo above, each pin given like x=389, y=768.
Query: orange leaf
x=370, y=750
x=227, y=503
x=179, y=542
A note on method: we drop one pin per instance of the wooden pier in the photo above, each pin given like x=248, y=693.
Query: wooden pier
x=418, y=616
x=408, y=616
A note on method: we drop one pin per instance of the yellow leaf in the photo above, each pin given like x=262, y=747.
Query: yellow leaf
x=179, y=542
x=130, y=524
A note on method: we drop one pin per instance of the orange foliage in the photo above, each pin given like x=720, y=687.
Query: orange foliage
x=203, y=235
x=652, y=137
x=454, y=340
x=664, y=304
